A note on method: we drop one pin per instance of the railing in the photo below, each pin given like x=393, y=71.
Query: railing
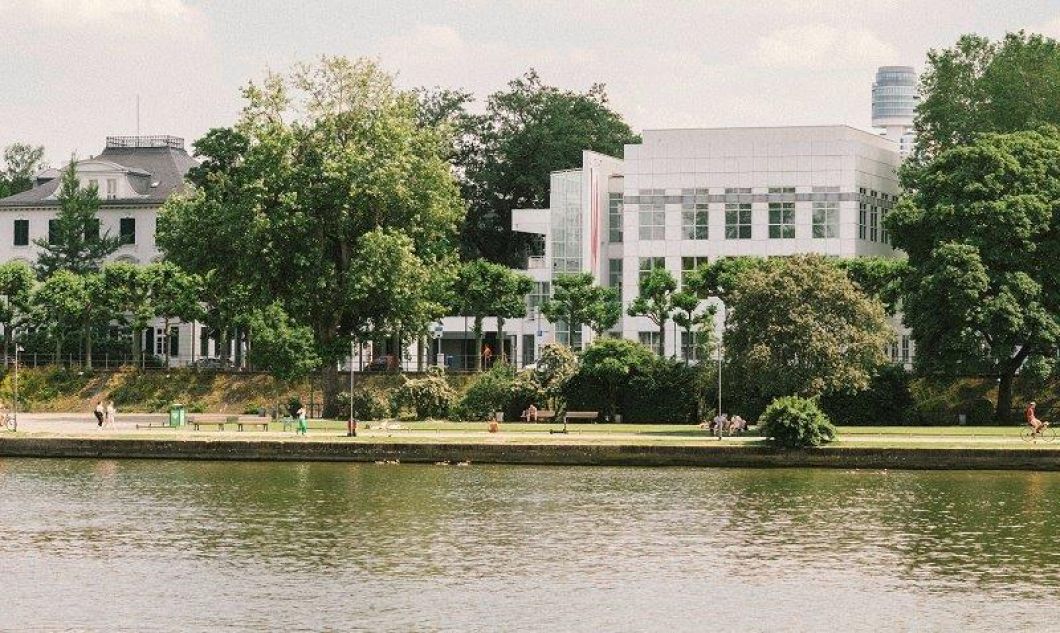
x=536, y=262
x=173, y=142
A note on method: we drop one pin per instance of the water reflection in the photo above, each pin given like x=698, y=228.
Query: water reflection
x=252, y=546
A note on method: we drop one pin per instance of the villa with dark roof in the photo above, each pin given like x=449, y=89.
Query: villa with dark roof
x=134, y=176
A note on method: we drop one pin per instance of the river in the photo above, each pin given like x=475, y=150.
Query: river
x=104, y=545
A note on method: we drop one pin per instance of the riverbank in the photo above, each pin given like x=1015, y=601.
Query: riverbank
x=577, y=449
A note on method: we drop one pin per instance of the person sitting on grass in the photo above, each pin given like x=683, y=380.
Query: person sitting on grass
x=737, y=425
x=1032, y=419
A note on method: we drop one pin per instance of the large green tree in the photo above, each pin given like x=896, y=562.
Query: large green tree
x=483, y=289
x=75, y=241
x=21, y=161
x=16, y=287
x=528, y=130
x=175, y=296
x=799, y=326
x=320, y=157
x=67, y=302
x=979, y=86
x=982, y=231
x=129, y=287
x=656, y=301
x=577, y=300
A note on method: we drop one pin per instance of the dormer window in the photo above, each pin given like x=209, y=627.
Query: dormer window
x=93, y=183
x=112, y=188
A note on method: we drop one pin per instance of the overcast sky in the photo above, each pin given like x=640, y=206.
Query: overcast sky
x=70, y=70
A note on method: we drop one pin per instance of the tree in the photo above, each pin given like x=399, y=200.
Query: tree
x=67, y=302
x=656, y=301
x=174, y=296
x=129, y=288
x=878, y=277
x=484, y=289
x=74, y=240
x=983, y=241
x=799, y=326
x=555, y=367
x=21, y=161
x=16, y=287
x=319, y=157
x=577, y=300
x=611, y=361
x=979, y=86
x=282, y=347
x=688, y=316
x=528, y=131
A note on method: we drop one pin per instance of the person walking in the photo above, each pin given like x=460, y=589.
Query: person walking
x=99, y=414
x=108, y=416
x=487, y=356
x=303, y=428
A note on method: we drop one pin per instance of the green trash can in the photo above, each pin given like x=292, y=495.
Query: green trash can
x=177, y=415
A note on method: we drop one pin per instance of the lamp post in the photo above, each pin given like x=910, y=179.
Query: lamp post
x=15, y=403
x=351, y=425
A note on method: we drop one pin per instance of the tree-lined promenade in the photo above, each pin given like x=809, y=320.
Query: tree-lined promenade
x=340, y=209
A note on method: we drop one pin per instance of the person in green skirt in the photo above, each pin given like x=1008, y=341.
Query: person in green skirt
x=302, y=427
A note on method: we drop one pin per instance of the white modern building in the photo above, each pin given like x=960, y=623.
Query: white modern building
x=684, y=197
x=134, y=176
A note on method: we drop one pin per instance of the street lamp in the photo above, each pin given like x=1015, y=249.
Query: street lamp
x=351, y=426
x=15, y=404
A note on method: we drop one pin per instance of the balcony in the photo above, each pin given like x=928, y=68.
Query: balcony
x=536, y=262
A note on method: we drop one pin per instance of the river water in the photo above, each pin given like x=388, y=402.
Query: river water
x=107, y=545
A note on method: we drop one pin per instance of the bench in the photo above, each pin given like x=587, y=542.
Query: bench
x=576, y=415
x=196, y=423
x=155, y=425
x=264, y=424
x=542, y=415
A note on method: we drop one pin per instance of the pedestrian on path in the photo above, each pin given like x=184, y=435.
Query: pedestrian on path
x=108, y=416
x=303, y=428
x=99, y=414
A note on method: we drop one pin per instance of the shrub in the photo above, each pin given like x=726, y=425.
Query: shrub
x=368, y=404
x=668, y=392
x=428, y=397
x=888, y=401
x=488, y=393
x=794, y=422
x=556, y=366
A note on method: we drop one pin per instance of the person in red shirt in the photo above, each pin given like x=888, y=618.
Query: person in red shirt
x=1032, y=420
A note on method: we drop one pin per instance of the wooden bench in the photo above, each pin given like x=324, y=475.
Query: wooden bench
x=576, y=415
x=542, y=415
x=155, y=425
x=196, y=423
x=263, y=423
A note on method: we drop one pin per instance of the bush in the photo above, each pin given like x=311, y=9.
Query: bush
x=488, y=393
x=555, y=367
x=368, y=404
x=429, y=397
x=887, y=401
x=794, y=422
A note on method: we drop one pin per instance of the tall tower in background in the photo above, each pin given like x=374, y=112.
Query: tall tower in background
x=894, y=101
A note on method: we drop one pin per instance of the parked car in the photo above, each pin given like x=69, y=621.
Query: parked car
x=208, y=363
x=386, y=362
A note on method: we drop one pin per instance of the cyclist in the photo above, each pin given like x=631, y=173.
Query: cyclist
x=1032, y=420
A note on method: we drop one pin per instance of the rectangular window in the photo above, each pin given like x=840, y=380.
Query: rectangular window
x=649, y=263
x=884, y=237
x=737, y=221
x=53, y=231
x=204, y=342
x=162, y=341
x=652, y=222
x=94, y=184
x=689, y=264
x=782, y=190
x=127, y=230
x=614, y=217
x=863, y=220
x=112, y=189
x=21, y=232
x=905, y=349
x=737, y=190
x=825, y=220
x=614, y=276
x=694, y=221
x=539, y=295
x=651, y=339
x=92, y=230
x=695, y=348
x=874, y=222
x=782, y=220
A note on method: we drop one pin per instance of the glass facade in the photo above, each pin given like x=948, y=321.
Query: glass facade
x=565, y=201
x=894, y=94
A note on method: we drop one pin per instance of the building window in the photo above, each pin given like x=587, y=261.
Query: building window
x=651, y=339
x=874, y=222
x=112, y=189
x=695, y=348
x=204, y=342
x=863, y=220
x=647, y=264
x=53, y=231
x=825, y=219
x=614, y=276
x=690, y=264
x=884, y=237
x=21, y=232
x=92, y=230
x=738, y=221
x=737, y=190
x=94, y=184
x=173, y=340
x=614, y=217
x=539, y=295
x=781, y=220
x=565, y=337
x=694, y=221
x=127, y=230
x=905, y=349
x=782, y=190
x=652, y=222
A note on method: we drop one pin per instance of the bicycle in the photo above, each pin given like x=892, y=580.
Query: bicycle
x=1045, y=433
x=9, y=421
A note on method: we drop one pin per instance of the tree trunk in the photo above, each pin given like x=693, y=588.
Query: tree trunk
x=165, y=339
x=500, y=340
x=330, y=371
x=421, y=352
x=688, y=348
x=137, y=342
x=88, y=347
x=7, y=341
x=1004, y=385
x=662, y=339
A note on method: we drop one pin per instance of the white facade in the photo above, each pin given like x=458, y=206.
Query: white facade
x=684, y=197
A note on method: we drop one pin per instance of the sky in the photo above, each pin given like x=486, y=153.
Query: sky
x=71, y=70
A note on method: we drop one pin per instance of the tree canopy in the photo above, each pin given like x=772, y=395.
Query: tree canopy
x=21, y=161
x=483, y=289
x=983, y=240
x=656, y=301
x=75, y=241
x=577, y=300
